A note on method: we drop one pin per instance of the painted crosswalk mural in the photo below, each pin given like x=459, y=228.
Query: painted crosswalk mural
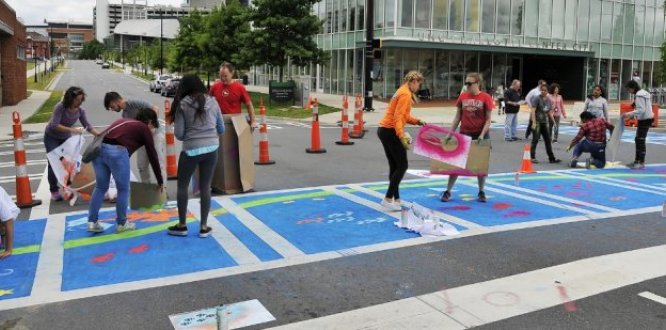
x=56, y=259
x=627, y=136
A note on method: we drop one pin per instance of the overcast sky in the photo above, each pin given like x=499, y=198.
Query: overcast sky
x=34, y=12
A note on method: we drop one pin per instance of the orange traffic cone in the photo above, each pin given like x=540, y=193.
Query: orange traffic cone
x=526, y=166
x=264, y=157
x=344, y=138
x=23, y=192
x=358, y=119
x=172, y=163
x=314, y=136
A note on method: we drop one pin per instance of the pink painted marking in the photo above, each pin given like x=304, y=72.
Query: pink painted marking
x=631, y=179
x=428, y=139
x=516, y=214
x=577, y=193
x=542, y=188
x=569, y=305
x=456, y=208
x=139, y=249
x=103, y=258
x=501, y=206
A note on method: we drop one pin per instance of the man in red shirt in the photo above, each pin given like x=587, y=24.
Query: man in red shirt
x=230, y=93
x=473, y=116
x=593, y=130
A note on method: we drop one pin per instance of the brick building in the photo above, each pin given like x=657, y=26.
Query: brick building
x=12, y=57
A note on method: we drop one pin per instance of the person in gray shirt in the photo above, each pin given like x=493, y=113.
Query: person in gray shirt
x=129, y=108
x=597, y=104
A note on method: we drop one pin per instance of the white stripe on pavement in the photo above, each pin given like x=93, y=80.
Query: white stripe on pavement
x=622, y=185
x=491, y=301
x=653, y=297
x=48, y=276
x=44, y=194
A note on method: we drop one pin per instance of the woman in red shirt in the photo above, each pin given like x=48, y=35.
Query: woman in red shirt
x=473, y=116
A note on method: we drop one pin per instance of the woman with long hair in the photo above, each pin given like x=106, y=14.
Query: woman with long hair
x=596, y=103
x=558, y=109
x=198, y=121
x=394, y=139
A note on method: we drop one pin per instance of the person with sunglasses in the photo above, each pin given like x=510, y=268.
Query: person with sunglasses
x=473, y=116
x=61, y=127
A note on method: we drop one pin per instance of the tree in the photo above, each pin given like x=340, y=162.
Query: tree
x=186, y=50
x=227, y=28
x=92, y=50
x=283, y=30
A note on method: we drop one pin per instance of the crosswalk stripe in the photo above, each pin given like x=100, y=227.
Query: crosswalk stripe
x=653, y=297
x=622, y=185
x=236, y=249
x=277, y=242
x=491, y=301
x=622, y=182
x=48, y=276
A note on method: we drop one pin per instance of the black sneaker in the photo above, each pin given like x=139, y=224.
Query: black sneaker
x=534, y=161
x=177, y=230
x=555, y=161
x=573, y=163
x=515, y=138
x=446, y=196
x=216, y=191
x=203, y=233
x=481, y=197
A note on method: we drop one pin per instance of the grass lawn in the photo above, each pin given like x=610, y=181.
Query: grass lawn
x=44, y=113
x=147, y=77
x=42, y=80
x=286, y=110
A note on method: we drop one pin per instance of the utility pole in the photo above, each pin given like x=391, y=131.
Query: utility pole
x=369, y=53
x=161, y=51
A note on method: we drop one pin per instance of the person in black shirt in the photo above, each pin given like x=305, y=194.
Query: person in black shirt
x=512, y=100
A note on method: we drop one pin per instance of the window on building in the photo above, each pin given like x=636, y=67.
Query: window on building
x=639, y=25
x=472, y=14
x=488, y=14
x=583, y=15
x=606, y=22
x=629, y=16
x=456, y=10
x=352, y=15
x=531, y=18
x=423, y=9
x=503, y=16
x=595, y=21
x=406, y=13
x=545, y=18
x=389, y=9
x=559, y=9
x=659, y=26
x=379, y=14
x=517, y=17
x=20, y=53
x=649, y=26
x=440, y=14
x=618, y=27
x=570, y=19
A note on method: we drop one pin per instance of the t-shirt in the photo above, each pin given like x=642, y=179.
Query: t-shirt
x=133, y=106
x=543, y=105
x=230, y=96
x=533, y=97
x=8, y=210
x=512, y=96
x=474, y=111
x=63, y=117
x=134, y=135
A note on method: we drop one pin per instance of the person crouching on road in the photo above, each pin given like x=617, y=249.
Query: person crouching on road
x=8, y=213
x=593, y=130
x=198, y=121
x=643, y=113
x=541, y=118
x=124, y=137
x=60, y=128
x=394, y=139
x=473, y=115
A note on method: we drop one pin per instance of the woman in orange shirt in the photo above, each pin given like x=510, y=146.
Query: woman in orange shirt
x=394, y=139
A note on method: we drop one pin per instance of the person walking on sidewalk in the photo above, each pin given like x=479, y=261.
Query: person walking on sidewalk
x=198, y=122
x=558, y=110
x=541, y=117
x=394, y=139
x=643, y=113
x=60, y=128
x=512, y=100
x=124, y=136
x=596, y=103
x=531, y=100
x=114, y=102
x=593, y=130
x=499, y=95
x=474, y=111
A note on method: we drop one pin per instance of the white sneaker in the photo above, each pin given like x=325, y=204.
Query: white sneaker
x=390, y=206
x=126, y=227
x=95, y=227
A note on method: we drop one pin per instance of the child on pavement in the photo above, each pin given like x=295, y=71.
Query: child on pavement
x=593, y=130
x=8, y=212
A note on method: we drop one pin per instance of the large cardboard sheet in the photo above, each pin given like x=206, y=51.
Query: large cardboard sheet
x=478, y=161
x=234, y=172
x=614, y=143
x=442, y=144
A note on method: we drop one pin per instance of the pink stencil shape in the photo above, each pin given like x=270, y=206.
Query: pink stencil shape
x=431, y=143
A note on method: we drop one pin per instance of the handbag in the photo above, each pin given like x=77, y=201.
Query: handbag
x=94, y=148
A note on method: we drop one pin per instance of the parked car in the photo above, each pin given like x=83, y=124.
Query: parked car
x=106, y=65
x=170, y=87
x=99, y=61
x=157, y=83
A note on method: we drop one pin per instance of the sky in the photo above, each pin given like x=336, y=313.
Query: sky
x=33, y=12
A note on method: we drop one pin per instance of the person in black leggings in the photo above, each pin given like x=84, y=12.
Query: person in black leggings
x=198, y=121
x=394, y=139
x=643, y=113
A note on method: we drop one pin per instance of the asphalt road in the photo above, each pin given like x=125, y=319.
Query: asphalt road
x=312, y=290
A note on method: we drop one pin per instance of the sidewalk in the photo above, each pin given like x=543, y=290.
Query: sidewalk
x=25, y=108
x=40, y=67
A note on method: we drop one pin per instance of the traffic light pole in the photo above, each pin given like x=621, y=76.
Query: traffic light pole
x=369, y=53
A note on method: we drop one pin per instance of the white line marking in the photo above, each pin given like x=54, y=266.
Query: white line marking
x=653, y=297
x=553, y=197
x=623, y=186
x=48, y=276
x=622, y=182
x=277, y=242
x=491, y=301
x=29, y=163
x=42, y=193
x=241, y=254
x=27, y=151
x=445, y=216
x=12, y=178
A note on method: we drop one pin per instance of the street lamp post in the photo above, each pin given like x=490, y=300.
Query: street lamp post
x=34, y=50
x=161, y=51
x=369, y=53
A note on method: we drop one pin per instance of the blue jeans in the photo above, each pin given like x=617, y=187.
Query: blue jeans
x=597, y=152
x=510, y=125
x=114, y=160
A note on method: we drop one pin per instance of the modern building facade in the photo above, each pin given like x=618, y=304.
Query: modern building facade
x=576, y=43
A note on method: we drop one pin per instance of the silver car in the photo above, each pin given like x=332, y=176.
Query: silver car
x=159, y=81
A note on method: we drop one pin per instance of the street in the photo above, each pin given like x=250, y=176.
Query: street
x=560, y=249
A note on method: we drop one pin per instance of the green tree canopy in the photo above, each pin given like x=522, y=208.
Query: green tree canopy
x=92, y=50
x=283, y=30
x=186, y=50
x=227, y=28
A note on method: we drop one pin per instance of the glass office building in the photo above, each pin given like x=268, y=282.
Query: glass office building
x=576, y=43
